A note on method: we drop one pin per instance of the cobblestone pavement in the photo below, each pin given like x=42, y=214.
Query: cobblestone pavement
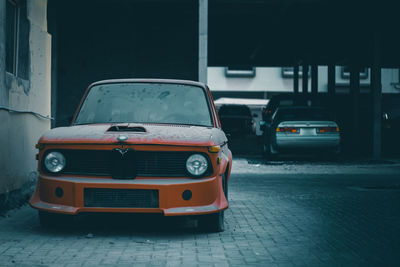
x=281, y=214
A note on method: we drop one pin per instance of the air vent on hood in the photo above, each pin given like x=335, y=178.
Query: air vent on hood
x=117, y=128
x=168, y=124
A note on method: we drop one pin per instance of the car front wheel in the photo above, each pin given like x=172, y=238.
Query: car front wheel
x=212, y=222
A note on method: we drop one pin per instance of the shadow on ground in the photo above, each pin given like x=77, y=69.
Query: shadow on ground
x=123, y=224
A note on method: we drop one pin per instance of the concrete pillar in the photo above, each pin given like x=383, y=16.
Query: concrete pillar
x=203, y=40
x=314, y=79
x=331, y=79
x=376, y=88
x=3, y=90
x=305, y=79
x=296, y=79
x=355, y=95
x=54, y=68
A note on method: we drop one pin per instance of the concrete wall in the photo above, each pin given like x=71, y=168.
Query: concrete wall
x=19, y=132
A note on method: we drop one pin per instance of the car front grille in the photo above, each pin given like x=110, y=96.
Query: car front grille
x=120, y=198
x=127, y=163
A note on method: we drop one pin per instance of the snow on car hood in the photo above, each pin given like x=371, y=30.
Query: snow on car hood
x=162, y=134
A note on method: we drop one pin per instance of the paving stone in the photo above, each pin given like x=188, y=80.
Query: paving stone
x=288, y=219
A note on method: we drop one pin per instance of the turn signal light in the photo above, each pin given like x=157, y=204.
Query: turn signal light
x=39, y=146
x=287, y=129
x=214, y=149
x=328, y=130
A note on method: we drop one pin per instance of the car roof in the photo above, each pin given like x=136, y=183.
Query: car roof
x=146, y=80
x=300, y=107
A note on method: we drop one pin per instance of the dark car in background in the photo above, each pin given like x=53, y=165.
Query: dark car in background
x=236, y=120
x=290, y=99
x=301, y=129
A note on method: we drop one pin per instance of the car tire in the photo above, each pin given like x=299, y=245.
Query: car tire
x=212, y=222
x=269, y=152
x=54, y=220
x=225, y=186
x=266, y=151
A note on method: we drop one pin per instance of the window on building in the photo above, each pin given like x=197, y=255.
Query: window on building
x=11, y=36
x=17, y=38
x=239, y=71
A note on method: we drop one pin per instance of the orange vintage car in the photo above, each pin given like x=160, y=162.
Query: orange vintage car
x=137, y=146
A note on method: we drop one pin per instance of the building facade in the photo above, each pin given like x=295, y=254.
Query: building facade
x=264, y=81
x=25, y=62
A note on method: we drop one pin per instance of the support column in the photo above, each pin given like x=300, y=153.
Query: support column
x=305, y=79
x=296, y=79
x=53, y=30
x=314, y=79
x=203, y=40
x=376, y=88
x=355, y=95
x=331, y=79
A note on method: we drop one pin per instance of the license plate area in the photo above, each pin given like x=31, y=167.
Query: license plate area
x=307, y=131
x=121, y=198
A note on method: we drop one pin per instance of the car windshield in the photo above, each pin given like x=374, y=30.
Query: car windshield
x=234, y=110
x=145, y=103
x=297, y=114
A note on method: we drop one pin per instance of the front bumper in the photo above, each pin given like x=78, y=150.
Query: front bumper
x=207, y=194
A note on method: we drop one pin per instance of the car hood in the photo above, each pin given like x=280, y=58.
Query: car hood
x=163, y=134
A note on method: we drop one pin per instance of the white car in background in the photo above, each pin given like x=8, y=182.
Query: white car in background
x=302, y=129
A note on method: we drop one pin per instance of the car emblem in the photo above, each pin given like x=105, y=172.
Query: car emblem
x=122, y=138
x=122, y=151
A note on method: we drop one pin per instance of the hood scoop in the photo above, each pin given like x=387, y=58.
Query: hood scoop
x=134, y=129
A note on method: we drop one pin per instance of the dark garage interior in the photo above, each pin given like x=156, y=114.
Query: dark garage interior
x=140, y=39
x=97, y=40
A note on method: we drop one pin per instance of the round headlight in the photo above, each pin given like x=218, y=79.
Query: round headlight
x=196, y=164
x=54, y=161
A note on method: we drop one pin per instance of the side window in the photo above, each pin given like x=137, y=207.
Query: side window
x=17, y=39
x=11, y=36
